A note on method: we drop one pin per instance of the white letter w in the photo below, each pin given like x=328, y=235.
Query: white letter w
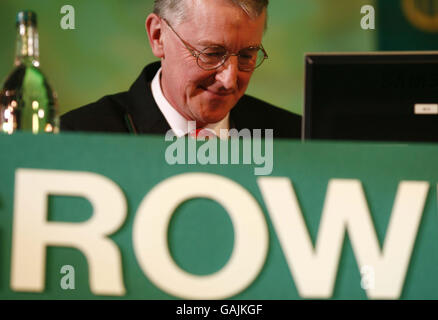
x=345, y=208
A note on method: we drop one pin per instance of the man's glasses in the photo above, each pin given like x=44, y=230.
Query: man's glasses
x=213, y=57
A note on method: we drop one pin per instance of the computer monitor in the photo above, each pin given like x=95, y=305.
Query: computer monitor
x=371, y=96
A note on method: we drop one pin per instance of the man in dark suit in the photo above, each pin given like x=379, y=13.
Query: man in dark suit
x=208, y=52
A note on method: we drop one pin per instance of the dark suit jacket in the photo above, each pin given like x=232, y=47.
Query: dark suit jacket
x=109, y=113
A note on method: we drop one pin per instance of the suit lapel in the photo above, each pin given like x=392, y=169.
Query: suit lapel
x=143, y=109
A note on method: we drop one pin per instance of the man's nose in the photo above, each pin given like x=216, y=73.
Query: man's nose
x=227, y=73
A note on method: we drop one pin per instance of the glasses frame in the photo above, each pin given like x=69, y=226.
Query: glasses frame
x=197, y=53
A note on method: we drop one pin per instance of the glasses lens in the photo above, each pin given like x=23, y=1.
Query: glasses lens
x=250, y=58
x=261, y=56
x=211, y=57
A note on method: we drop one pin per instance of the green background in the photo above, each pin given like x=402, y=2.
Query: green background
x=201, y=234
x=109, y=47
x=395, y=32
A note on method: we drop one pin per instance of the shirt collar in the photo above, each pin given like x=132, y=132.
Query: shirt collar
x=176, y=121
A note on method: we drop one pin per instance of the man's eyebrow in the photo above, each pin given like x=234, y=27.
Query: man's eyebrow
x=208, y=43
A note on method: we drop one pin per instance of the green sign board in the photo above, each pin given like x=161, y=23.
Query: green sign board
x=108, y=217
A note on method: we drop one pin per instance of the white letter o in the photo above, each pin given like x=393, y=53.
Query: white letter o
x=250, y=237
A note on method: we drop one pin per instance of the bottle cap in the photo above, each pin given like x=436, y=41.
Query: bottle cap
x=27, y=17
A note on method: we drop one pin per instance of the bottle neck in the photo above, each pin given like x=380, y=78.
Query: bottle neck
x=28, y=52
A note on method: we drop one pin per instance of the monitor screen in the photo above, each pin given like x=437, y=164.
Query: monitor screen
x=372, y=97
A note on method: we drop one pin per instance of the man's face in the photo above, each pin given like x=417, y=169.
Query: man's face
x=200, y=95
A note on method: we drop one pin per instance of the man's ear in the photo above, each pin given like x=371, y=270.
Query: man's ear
x=154, y=29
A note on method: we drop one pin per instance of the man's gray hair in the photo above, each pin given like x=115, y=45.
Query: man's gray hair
x=175, y=10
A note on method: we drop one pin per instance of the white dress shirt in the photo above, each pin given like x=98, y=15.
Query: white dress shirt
x=179, y=124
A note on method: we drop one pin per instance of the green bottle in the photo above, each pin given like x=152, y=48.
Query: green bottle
x=27, y=103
